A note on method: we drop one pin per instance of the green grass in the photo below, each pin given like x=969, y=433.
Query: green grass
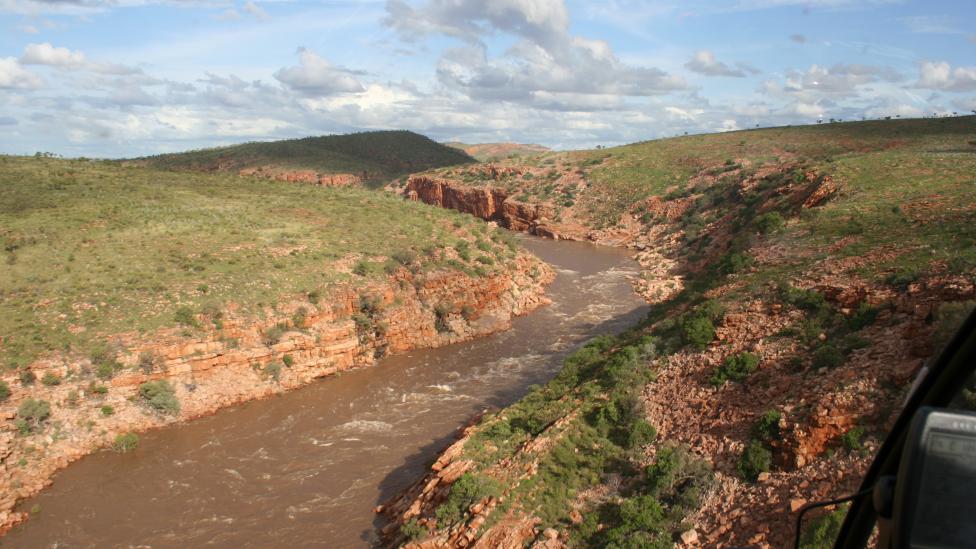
x=381, y=156
x=110, y=248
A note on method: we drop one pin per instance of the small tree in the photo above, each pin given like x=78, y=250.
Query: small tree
x=160, y=396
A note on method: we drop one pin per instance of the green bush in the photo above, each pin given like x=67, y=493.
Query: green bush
x=767, y=428
x=186, y=317
x=640, y=522
x=125, y=443
x=362, y=268
x=678, y=478
x=807, y=300
x=147, y=361
x=822, y=531
x=641, y=434
x=51, y=379
x=697, y=331
x=828, y=356
x=769, y=222
x=160, y=396
x=97, y=389
x=735, y=368
x=273, y=370
x=755, y=459
x=4, y=391
x=467, y=490
x=854, y=438
x=31, y=414
x=485, y=260
x=288, y=361
x=413, y=530
x=734, y=263
x=108, y=410
x=27, y=377
x=299, y=318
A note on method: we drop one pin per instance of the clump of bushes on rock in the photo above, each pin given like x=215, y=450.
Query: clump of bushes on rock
x=160, y=396
x=125, y=443
x=31, y=414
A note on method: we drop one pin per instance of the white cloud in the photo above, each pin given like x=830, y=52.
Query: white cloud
x=547, y=67
x=46, y=54
x=941, y=76
x=14, y=76
x=316, y=76
x=255, y=10
x=704, y=62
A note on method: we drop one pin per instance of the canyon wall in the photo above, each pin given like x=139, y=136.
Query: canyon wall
x=243, y=357
x=490, y=204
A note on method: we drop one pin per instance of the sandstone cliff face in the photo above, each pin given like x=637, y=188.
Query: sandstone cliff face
x=487, y=203
x=240, y=361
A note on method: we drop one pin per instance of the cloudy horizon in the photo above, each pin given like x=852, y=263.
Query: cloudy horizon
x=116, y=78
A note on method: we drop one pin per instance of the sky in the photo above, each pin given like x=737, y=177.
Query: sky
x=125, y=78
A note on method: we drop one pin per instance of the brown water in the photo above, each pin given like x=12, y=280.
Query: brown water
x=306, y=468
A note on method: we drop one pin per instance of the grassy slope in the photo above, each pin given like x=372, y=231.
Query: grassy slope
x=489, y=152
x=904, y=210
x=114, y=248
x=383, y=155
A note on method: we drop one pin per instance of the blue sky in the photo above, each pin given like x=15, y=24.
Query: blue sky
x=132, y=77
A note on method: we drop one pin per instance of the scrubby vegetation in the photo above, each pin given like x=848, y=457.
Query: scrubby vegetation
x=380, y=156
x=160, y=396
x=113, y=248
x=125, y=443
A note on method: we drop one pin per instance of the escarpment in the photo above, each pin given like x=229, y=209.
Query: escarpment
x=234, y=357
x=490, y=204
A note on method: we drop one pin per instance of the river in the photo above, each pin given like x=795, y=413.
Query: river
x=306, y=468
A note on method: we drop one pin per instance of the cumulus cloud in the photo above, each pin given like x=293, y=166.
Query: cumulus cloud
x=14, y=76
x=547, y=67
x=941, y=76
x=316, y=76
x=704, y=62
x=255, y=10
x=838, y=79
x=46, y=54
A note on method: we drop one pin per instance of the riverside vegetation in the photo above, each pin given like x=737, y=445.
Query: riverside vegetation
x=800, y=278
x=133, y=297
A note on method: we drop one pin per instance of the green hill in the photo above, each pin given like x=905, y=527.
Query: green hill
x=380, y=155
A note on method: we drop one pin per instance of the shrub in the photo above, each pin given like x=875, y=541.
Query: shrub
x=273, y=335
x=273, y=370
x=697, y=331
x=734, y=263
x=767, y=428
x=807, y=300
x=97, y=389
x=755, y=459
x=735, y=368
x=361, y=268
x=300, y=317
x=853, y=439
x=769, y=222
x=678, y=478
x=467, y=490
x=108, y=410
x=105, y=370
x=413, y=530
x=31, y=414
x=147, y=361
x=27, y=377
x=828, y=356
x=4, y=391
x=125, y=443
x=160, y=396
x=314, y=296
x=288, y=361
x=485, y=260
x=640, y=523
x=641, y=434
x=865, y=315
x=51, y=379
x=186, y=317
x=822, y=532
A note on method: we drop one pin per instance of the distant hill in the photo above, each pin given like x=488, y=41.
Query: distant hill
x=375, y=156
x=497, y=151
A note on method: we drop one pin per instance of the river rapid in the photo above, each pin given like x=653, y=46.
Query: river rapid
x=306, y=468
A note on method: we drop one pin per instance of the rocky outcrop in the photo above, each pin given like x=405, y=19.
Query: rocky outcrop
x=245, y=357
x=488, y=203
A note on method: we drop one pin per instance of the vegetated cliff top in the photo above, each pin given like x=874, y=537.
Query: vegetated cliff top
x=380, y=155
x=486, y=152
x=800, y=279
x=94, y=248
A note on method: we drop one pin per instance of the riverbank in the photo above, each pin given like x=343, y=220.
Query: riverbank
x=800, y=278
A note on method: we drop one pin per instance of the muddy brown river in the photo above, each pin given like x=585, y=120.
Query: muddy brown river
x=306, y=469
